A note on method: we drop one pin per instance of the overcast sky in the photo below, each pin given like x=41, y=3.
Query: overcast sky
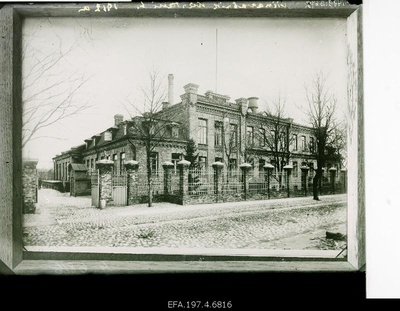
x=256, y=57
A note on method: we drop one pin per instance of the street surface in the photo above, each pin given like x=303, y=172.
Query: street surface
x=294, y=223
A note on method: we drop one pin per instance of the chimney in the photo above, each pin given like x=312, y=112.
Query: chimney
x=118, y=119
x=191, y=92
x=242, y=103
x=253, y=104
x=171, y=89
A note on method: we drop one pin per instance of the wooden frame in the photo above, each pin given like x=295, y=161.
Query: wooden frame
x=13, y=259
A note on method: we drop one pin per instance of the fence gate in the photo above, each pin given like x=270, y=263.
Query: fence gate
x=94, y=179
x=119, y=190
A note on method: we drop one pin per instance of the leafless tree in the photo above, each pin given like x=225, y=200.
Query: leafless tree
x=275, y=134
x=150, y=123
x=327, y=130
x=48, y=92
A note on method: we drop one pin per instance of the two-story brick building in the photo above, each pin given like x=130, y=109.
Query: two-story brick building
x=232, y=132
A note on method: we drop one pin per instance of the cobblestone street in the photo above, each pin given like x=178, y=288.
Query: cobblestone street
x=295, y=223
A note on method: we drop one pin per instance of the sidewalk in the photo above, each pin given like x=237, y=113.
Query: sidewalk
x=267, y=224
x=56, y=208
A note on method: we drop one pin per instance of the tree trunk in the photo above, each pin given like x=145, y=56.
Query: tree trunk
x=316, y=180
x=149, y=181
x=150, y=193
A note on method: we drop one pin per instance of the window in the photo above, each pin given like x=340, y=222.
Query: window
x=295, y=169
x=154, y=163
x=202, y=134
x=294, y=142
x=282, y=141
x=175, y=132
x=261, y=138
x=273, y=163
x=303, y=143
x=122, y=162
x=311, y=166
x=261, y=163
x=202, y=163
x=175, y=158
x=218, y=159
x=250, y=135
x=107, y=136
x=218, y=133
x=233, y=135
x=92, y=163
x=232, y=165
x=115, y=159
x=312, y=145
x=272, y=140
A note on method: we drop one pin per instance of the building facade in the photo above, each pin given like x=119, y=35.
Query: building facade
x=232, y=132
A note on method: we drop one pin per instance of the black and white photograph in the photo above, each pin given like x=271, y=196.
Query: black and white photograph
x=190, y=136
x=216, y=137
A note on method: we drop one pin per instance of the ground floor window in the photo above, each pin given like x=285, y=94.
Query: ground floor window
x=115, y=159
x=295, y=169
x=175, y=158
x=203, y=163
x=218, y=159
x=154, y=163
x=122, y=162
x=261, y=163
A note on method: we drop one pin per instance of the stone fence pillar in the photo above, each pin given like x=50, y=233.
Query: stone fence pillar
x=288, y=169
x=333, y=170
x=105, y=181
x=245, y=167
x=167, y=166
x=217, y=166
x=29, y=186
x=304, y=176
x=183, y=179
x=268, y=168
x=343, y=173
x=132, y=167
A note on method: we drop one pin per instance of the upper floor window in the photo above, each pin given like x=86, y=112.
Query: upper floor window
x=294, y=142
x=218, y=133
x=124, y=129
x=175, y=132
x=272, y=140
x=261, y=138
x=233, y=135
x=107, y=136
x=202, y=133
x=250, y=135
x=303, y=143
x=312, y=144
x=282, y=141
